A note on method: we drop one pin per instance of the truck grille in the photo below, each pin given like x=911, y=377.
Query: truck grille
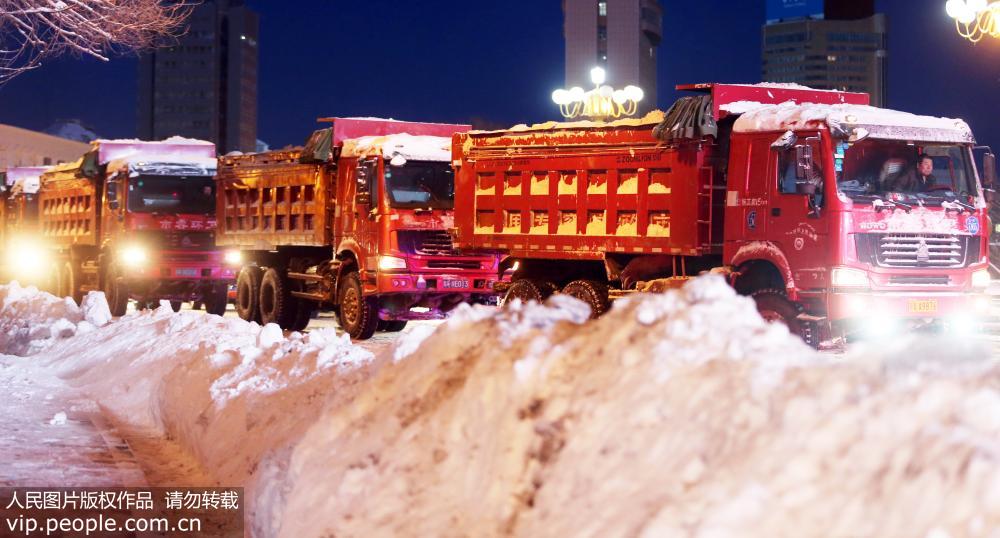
x=454, y=264
x=427, y=243
x=917, y=250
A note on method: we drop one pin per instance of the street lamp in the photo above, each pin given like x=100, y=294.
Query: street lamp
x=975, y=19
x=600, y=103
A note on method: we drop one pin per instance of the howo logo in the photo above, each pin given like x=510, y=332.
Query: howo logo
x=923, y=252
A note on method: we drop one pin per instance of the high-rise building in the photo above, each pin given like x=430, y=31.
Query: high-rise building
x=827, y=44
x=204, y=85
x=619, y=35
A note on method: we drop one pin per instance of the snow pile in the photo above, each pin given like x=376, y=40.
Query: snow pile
x=673, y=415
x=233, y=393
x=32, y=320
x=407, y=146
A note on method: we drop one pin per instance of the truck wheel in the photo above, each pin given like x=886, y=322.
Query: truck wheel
x=176, y=305
x=71, y=281
x=276, y=305
x=216, y=300
x=116, y=292
x=774, y=306
x=358, y=314
x=303, y=310
x=248, y=293
x=592, y=292
x=527, y=290
x=54, y=281
x=391, y=325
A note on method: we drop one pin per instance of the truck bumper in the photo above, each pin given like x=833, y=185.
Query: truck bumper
x=866, y=310
x=431, y=284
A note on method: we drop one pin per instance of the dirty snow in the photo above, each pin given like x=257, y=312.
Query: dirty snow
x=675, y=414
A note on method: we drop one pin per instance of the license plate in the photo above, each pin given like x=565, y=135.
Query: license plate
x=186, y=272
x=928, y=306
x=456, y=284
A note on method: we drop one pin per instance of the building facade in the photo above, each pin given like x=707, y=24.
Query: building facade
x=622, y=36
x=22, y=147
x=205, y=85
x=830, y=45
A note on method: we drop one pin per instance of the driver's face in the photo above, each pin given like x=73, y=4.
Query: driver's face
x=925, y=167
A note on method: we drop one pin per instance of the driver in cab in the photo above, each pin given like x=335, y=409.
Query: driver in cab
x=918, y=179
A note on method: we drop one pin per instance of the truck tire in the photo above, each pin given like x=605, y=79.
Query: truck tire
x=391, y=325
x=116, y=292
x=303, y=310
x=592, y=292
x=54, y=281
x=216, y=300
x=276, y=305
x=176, y=305
x=358, y=314
x=248, y=293
x=71, y=281
x=527, y=289
x=774, y=306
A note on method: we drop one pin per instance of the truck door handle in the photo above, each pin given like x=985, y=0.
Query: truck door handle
x=775, y=211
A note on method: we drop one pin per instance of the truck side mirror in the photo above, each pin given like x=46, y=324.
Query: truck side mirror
x=112, y=195
x=803, y=161
x=989, y=170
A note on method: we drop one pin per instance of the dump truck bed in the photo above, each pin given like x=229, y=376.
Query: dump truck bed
x=69, y=207
x=271, y=199
x=578, y=190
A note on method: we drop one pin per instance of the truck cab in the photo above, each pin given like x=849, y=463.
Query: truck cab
x=356, y=220
x=399, y=206
x=24, y=260
x=136, y=219
x=844, y=219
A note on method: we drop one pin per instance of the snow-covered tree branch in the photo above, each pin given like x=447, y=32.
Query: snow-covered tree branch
x=32, y=31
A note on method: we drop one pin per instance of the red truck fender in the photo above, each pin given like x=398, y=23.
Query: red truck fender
x=761, y=258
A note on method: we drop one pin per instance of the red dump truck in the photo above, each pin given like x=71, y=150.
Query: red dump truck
x=137, y=220
x=810, y=201
x=24, y=259
x=357, y=220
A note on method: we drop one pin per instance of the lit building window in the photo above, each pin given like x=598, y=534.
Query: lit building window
x=602, y=9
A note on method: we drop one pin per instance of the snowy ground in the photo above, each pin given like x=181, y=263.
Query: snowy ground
x=680, y=414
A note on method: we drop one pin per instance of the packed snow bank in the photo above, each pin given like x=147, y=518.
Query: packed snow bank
x=680, y=414
x=228, y=390
x=31, y=321
x=676, y=414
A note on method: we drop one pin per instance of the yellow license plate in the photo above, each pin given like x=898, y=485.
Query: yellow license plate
x=928, y=306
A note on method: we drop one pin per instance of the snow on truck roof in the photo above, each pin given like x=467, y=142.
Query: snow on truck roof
x=879, y=122
x=410, y=147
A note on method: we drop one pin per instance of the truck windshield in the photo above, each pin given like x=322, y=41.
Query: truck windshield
x=904, y=171
x=172, y=194
x=420, y=184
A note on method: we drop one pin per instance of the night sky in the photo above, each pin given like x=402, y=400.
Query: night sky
x=496, y=64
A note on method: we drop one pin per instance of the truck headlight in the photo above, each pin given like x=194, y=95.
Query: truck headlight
x=846, y=277
x=27, y=259
x=981, y=278
x=133, y=256
x=233, y=257
x=389, y=263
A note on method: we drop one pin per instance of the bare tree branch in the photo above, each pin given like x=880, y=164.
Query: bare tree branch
x=32, y=31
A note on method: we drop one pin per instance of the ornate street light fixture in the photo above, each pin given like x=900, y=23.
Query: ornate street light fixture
x=975, y=19
x=603, y=102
